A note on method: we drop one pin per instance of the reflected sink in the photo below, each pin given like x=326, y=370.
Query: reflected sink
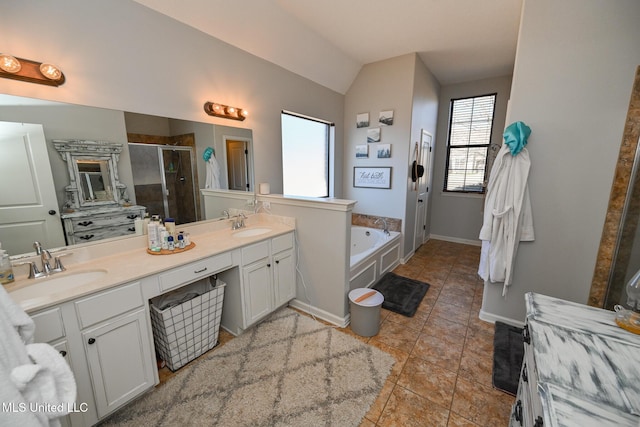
x=45, y=286
x=249, y=232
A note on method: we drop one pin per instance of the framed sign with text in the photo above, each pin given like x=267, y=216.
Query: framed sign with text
x=372, y=177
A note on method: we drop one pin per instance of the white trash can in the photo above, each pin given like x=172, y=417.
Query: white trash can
x=365, y=314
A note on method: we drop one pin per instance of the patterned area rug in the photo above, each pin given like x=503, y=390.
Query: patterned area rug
x=287, y=371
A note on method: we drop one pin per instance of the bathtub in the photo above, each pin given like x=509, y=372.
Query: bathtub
x=373, y=253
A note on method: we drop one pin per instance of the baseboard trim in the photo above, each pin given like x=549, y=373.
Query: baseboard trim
x=456, y=240
x=493, y=318
x=341, y=322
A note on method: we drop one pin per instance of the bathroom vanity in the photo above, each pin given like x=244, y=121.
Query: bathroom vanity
x=579, y=368
x=103, y=328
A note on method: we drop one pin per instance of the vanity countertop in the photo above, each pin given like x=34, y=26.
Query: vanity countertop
x=132, y=262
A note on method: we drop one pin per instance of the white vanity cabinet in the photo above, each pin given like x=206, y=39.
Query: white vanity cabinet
x=267, y=282
x=116, y=338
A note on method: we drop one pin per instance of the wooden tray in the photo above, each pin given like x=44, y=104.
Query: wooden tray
x=175, y=251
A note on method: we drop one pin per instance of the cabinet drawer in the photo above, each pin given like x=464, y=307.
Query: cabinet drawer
x=105, y=305
x=96, y=221
x=194, y=271
x=255, y=252
x=81, y=236
x=282, y=243
x=49, y=325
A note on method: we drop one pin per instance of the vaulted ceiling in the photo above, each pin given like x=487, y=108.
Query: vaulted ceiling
x=328, y=41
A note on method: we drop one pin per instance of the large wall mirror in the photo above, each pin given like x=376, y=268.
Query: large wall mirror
x=176, y=146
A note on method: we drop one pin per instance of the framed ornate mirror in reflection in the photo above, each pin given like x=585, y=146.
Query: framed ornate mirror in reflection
x=93, y=173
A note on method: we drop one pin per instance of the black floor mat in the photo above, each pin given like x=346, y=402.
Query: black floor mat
x=401, y=295
x=508, y=352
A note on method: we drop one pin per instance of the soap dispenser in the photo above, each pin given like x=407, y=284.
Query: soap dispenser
x=6, y=271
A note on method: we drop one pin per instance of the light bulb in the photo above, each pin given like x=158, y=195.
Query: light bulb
x=231, y=110
x=9, y=64
x=244, y=113
x=50, y=71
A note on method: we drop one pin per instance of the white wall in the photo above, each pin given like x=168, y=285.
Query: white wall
x=458, y=217
x=573, y=76
x=409, y=89
x=424, y=116
x=124, y=56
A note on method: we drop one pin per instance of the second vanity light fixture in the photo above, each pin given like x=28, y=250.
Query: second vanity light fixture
x=30, y=71
x=225, y=111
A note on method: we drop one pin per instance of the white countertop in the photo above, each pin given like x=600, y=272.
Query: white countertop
x=131, y=261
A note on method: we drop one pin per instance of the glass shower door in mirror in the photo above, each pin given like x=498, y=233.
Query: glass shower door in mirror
x=164, y=180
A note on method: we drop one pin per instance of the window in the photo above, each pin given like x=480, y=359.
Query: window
x=471, y=121
x=305, y=155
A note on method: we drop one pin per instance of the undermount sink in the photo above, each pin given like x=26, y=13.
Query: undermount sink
x=249, y=232
x=67, y=281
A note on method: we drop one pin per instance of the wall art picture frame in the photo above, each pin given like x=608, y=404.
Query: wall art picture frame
x=373, y=135
x=372, y=177
x=362, y=151
x=362, y=120
x=386, y=118
x=384, y=151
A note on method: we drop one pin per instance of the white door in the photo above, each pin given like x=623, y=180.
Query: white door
x=237, y=161
x=424, y=185
x=28, y=206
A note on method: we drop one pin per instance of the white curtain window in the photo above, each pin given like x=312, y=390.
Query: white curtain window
x=305, y=156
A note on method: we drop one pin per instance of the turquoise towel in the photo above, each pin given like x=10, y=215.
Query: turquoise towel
x=515, y=136
x=207, y=154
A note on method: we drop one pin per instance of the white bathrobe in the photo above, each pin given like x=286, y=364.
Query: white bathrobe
x=507, y=216
x=30, y=374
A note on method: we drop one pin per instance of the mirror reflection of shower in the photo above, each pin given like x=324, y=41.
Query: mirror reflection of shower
x=164, y=180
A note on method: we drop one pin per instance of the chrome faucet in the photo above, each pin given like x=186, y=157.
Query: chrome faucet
x=45, y=257
x=239, y=222
x=384, y=224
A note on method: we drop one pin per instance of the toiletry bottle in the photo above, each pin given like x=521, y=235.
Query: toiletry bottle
x=154, y=234
x=172, y=245
x=145, y=225
x=170, y=225
x=181, y=241
x=6, y=271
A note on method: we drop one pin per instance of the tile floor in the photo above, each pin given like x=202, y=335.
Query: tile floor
x=444, y=353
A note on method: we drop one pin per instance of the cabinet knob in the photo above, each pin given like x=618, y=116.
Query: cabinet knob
x=85, y=223
x=525, y=376
x=268, y=265
x=132, y=216
x=539, y=422
x=63, y=353
x=91, y=340
x=86, y=237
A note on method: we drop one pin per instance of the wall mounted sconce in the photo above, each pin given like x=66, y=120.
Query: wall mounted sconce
x=224, y=111
x=30, y=71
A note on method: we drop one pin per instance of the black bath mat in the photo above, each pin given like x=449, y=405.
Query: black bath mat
x=401, y=295
x=508, y=352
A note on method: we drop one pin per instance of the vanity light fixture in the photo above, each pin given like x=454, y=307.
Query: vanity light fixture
x=225, y=111
x=30, y=71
